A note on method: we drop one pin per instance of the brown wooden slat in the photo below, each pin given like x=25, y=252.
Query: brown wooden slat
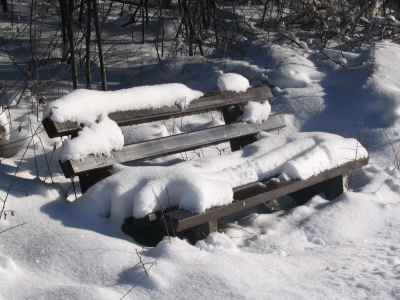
x=170, y=145
x=208, y=102
x=253, y=194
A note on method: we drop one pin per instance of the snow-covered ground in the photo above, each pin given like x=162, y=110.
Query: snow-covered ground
x=344, y=249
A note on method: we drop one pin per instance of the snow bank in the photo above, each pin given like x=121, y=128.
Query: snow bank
x=199, y=185
x=381, y=97
x=290, y=69
x=85, y=106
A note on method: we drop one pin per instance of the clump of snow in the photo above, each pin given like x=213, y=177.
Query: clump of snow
x=98, y=138
x=5, y=125
x=321, y=157
x=255, y=112
x=233, y=82
x=217, y=242
x=296, y=40
x=85, y=106
x=199, y=185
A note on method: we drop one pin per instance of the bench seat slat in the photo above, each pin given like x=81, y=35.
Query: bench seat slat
x=171, y=145
x=251, y=195
x=208, y=102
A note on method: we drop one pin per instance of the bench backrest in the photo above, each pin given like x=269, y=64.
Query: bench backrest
x=94, y=168
x=208, y=102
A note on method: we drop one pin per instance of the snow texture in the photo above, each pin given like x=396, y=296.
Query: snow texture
x=233, y=82
x=97, y=138
x=347, y=248
x=101, y=135
x=4, y=126
x=255, y=112
x=197, y=186
x=86, y=106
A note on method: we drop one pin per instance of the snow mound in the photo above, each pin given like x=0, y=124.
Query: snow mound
x=217, y=242
x=255, y=112
x=4, y=125
x=96, y=138
x=290, y=69
x=85, y=106
x=199, y=185
x=382, y=89
x=233, y=82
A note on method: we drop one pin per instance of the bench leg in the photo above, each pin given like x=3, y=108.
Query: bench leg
x=231, y=114
x=199, y=232
x=332, y=188
x=152, y=235
x=90, y=178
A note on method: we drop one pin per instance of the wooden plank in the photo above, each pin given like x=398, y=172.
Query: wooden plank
x=170, y=145
x=208, y=102
x=253, y=194
x=56, y=129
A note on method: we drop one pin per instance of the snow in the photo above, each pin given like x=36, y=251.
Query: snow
x=202, y=184
x=255, y=112
x=347, y=248
x=91, y=108
x=233, y=82
x=85, y=106
x=98, y=138
x=4, y=126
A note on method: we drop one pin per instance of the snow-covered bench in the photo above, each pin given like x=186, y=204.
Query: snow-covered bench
x=91, y=168
x=94, y=168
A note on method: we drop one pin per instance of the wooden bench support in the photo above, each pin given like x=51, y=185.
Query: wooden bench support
x=150, y=234
x=208, y=102
x=332, y=188
x=231, y=114
x=90, y=178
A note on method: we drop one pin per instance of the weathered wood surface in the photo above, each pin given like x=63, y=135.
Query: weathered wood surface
x=171, y=145
x=208, y=102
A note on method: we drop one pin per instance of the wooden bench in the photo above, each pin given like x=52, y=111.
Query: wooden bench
x=193, y=226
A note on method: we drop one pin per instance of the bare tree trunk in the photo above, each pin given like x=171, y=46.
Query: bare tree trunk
x=88, y=41
x=263, y=15
x=63, y=28
x=70, y=33
x=143, y=20
x=188, y=27
x=81, y=7
x=100, y=46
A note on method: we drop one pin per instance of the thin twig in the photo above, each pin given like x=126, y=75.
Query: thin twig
x=169, y=208
x=13, y=227
x=162, y=217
